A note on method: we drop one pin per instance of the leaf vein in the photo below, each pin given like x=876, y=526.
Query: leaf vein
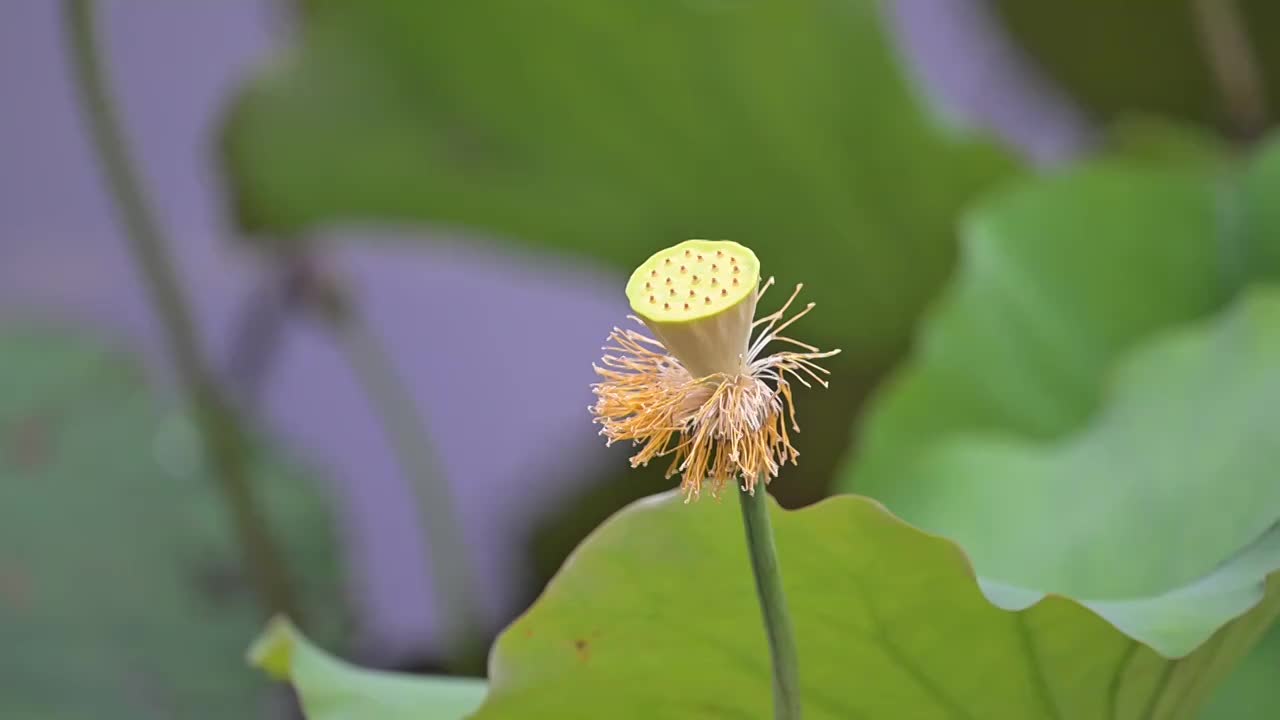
x=1038, y=676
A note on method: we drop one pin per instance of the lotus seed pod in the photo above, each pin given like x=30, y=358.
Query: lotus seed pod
x=699, y=298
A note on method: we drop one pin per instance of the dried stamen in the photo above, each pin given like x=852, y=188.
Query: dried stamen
x=715, y=427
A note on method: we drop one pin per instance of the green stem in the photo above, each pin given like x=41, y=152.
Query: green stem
x=225, y=445
x=390, y=397
x=773, y=604
x=1233, y=64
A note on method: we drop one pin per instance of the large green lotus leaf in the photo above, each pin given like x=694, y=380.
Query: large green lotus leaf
x=1251, y=217
x=1250, y=692
x=1118, y=57
x=655, y=616
x=331, y=689
x=1057, y=279
x=1187, y=426
x=1175, y=621
x=607, y=129
x=1054, y=425
x=120, y=590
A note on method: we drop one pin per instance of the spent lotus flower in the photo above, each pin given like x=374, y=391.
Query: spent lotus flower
x=702, y=389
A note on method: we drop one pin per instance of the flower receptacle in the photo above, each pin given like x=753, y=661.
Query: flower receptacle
x=699, y=299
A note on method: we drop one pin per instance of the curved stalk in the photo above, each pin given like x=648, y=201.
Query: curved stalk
x=224, y=443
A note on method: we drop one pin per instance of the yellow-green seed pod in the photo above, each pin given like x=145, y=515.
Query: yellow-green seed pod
x=699, y=298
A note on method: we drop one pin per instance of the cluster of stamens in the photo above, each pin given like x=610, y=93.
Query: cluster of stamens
x=718, y=426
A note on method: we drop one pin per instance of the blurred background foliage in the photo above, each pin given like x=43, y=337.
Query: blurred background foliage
x=1139, y=56
x=1069, y=369
x=90, y=457
x=789, y=127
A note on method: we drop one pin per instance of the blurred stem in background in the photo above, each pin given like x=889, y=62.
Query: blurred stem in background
x=1234, y=65
x=257, y=332
x=773, y=603
x=391, y=399
x=225, y=445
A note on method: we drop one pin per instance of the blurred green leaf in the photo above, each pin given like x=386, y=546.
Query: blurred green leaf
x=1185, y=427
x=331, y=689
x=120, y=590
x=654, y=616
x=1138, y=55
x=1058, y=279
x=1054, y=427
x=1158, y=142
x=618, y=127
x=1063, y=275
x=1251, y=218
x=1250, y=692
